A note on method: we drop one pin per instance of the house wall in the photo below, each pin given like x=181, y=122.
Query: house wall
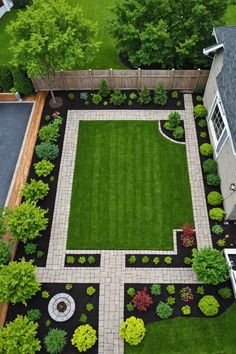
x=226, y=158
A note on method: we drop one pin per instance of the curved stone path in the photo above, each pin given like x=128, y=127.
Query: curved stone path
x=112, y=274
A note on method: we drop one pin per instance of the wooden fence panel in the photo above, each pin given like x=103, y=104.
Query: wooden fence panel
x=183, y=80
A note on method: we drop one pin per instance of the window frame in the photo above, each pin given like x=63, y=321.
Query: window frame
x=217, y=141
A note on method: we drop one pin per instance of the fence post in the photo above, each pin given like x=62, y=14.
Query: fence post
x=197, y=79
x=111, y=79
x=91, y=79
x=63, y=80
x=172, y=78
x=139, y=79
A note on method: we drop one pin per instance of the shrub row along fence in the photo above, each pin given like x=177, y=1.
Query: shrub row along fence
x=183, y=80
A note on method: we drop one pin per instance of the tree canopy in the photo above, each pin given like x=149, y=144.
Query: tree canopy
x=169, y=33
x=51, y=35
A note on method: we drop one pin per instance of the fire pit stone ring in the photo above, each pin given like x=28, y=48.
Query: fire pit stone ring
x=61, y=307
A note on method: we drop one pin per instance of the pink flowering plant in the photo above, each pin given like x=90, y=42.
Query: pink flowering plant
x=186, y=294
x=56, y=114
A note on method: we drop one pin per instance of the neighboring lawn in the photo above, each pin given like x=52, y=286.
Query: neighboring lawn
x=5, y=55
x=130, y=187
x=230, y=17
x=98, y=12
x=190, y=335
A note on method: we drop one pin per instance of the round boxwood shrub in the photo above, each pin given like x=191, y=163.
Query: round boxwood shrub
x=4, y=252
x=206, y=149
x=210, y=266
x=47, y=151
x=209, y=305
x=200, y=111
x=84, y=338
x=133, y=330
x=55, y=341
x=214, y=198
x=210, y=166
x=216, y=214
x=213, y=180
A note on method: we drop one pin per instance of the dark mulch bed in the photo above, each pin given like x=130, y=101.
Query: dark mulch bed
x=229, y=226
x=150, y=315
x=169, y=134
x=78, y=292
x=86, y=264
x=49, y=201
x=79, y=104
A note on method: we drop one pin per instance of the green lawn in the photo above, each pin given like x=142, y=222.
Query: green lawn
x=230, y=17
x=190, y=335
x=130, y=187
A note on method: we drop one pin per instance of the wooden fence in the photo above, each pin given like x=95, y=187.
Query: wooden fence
x=183, y=80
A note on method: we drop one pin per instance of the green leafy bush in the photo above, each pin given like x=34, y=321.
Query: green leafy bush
x=131, y=292
x=144, y=96
x=18, y=282
x=210, y=266
x=68, y=287
x=47, y=151
x=5, y=252
x=178, y=132
x=225, y=293
x=174, y=119
x=199, y=98
x=200, y=111
x=168, y=260
x=30, y=248
x=84, y=338
x=221, y=242
x=55, y=341
x=104, y=90
x=97, y=98
x=49, y=132
x=22, y=83
x=164, y=310
x=175, y=94
x=39, y=254
x=201, y=290
x=209, y=305
x=202, y=123
x=6, y=79
x=70, y=259
x=83, y=318
x=209, y=166
x=19, y=336
x=217, y=229
x=145, y=259
x=186, y=310
x=156, y=260
x=34, y=314
x=117, y=98
x=132, y=259
x=187, y=260
x=82, y=260
x=89, y=307
x=133, y=330
x=168, y=126
x=203, y=134
x=130, y=307
x=170, y=300
x=91, y=260
x=133, y=96
x=199, y=89
x=206, y=149
x=156, y=289
x=217, y=214
x=20, y=4
x=213, y=180
x=45, y=294
x=71, y=96
x=90, y=290
x=35, y=190
x=26, y=221
x=160, y=96
x=214, y=198
x=43, y=168
x=170, y=289
x=84, y=96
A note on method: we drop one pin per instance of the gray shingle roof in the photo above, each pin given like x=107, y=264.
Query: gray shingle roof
x=226, y=80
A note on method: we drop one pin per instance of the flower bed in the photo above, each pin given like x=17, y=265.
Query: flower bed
x=82, y=260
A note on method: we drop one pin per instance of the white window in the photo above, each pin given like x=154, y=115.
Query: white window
x=218, y=127
x=217, y=122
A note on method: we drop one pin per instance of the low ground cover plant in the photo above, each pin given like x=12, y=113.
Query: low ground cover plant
x=225, y=293
x=186, y=294
x=84, y=337
x=132, y=259
x=186, y=310
x=133, y=330
x=187, y=237
x=90, y=290
x=30, y=248
x=131, y=292
x=217, y=229
x=34, y=314
x=156, y=289
x=209, y=305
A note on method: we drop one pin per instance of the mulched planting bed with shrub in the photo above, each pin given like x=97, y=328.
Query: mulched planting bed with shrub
x=82, y=260
x=150, y=315
x=78, y=293
x=169, y=134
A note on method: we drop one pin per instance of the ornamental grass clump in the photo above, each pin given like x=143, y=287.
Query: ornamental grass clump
x=210, y=266
x=84, y=337
x=133, y=330
x=142, y=300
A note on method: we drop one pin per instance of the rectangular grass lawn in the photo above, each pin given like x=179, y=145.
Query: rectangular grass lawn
x=130, y=187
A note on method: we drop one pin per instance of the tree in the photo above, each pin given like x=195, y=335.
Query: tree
x=51, y=35
x=22, y=83
x=169, y=33
x=6, y=80
x=210, y=266
x=18, y=282
x=19, y=337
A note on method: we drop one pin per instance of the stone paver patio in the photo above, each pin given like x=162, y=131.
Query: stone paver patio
x=112, y=274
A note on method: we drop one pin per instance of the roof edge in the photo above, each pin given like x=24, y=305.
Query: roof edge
x=213, y=48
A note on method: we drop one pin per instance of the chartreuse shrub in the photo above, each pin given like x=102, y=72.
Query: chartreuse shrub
x=214, y=198
x=133, y=330
x=84, y=338
x=160, y=96
x=209, y=305
x=47, y=151
x=186, y=310
x=19, y=336
x=55, y=341
x=90, y=290
x=200, y=111
x=210, y=166
x=164, y=310
x=104, y=90
x=5, y=251
x=217, y=214
x=144, y=96
x=206, y=149
x=43, y=168
x=49, y=132
x=35, y=190
x=210, y=266
x=26, y=221
x=18, y=282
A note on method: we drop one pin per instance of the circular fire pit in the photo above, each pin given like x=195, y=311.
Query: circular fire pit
x=61, y=307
